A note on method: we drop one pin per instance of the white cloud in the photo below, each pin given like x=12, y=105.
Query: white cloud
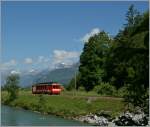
x=63, y=56
x=93, y=32
x=11, y=63
x=31, y=70
x=42, y=59
x=28, y=61
x=8, y=65
x=15, y=72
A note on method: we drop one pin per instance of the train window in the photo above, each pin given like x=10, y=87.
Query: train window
x=55, y=86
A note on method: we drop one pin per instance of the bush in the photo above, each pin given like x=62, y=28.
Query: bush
x=137, y=97
x=105, y=89
x=71, y=85
x=81, y=88
x=41, y=103
x=12, y=87
x=122, y=91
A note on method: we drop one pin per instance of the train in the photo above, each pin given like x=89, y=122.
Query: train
x=47, y=88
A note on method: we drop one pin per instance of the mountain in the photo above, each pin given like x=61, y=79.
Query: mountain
x=62, y=74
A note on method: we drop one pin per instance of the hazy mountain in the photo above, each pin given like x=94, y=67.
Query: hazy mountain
x=62, y=74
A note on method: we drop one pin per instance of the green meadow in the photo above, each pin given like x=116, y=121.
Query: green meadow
x=68, y=104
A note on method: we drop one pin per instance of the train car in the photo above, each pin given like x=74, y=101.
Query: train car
x=47, y=88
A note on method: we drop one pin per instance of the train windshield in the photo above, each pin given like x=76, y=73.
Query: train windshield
x=56, y=87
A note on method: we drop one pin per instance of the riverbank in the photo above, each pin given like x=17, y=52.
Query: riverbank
x=66, y=106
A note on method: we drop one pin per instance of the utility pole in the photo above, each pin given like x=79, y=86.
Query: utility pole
x=75, y=83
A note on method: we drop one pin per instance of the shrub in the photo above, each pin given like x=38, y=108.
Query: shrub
x=105, y=89
x=81, y=88
x=122, y=91
x=41, y=103
x=12, y=87
x=71, y=85
x=5, y=97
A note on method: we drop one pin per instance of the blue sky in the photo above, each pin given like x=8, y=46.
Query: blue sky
x=37, y=34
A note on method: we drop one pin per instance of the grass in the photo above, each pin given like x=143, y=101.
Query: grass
x=67, y=104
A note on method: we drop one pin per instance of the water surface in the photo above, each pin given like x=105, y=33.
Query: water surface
x=11, y=116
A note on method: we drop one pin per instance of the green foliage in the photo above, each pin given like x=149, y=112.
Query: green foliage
x=105, y=89
x=12, y=87
x=75, y=82
x=137, y=96
x=92, y=60
x=81, y=88
x=5, y=97
x=139, y=61
x=133, y=17
x=123, y=91
x=119, y=61
x=125, y=52
x=71, y=85
x=41, y=103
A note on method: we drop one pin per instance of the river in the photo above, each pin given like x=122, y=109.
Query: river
x=11, y=116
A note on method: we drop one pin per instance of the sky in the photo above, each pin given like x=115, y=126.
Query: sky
x=40, y=35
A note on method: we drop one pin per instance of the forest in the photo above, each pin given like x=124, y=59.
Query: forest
x=118, y=66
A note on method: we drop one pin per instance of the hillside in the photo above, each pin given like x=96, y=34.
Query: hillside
x=62, y=75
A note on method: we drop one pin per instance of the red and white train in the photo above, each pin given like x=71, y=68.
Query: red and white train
x=47, y=88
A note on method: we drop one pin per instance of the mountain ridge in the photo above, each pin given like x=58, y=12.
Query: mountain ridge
x=63, y=75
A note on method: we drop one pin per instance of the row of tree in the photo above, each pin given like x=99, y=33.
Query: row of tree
x=122, y=61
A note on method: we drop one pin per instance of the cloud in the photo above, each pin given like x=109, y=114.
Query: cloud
x=15, y=72
x=62, y=56
x=93, y=32
x=11, y=63
x=28, y=61
x=8, y=65
x=42, y=59
x=31, y=70
x=46, y=60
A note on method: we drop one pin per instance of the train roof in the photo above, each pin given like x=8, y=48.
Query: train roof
x=43, y=83
x=47, y=82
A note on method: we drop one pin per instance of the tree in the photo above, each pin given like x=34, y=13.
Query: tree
x=118, y=64
x=139, y=84
x=105, y=89
x=12, y=87
x=133, y=17
x=92, y=60
x=127, y=62
x=72, y=84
